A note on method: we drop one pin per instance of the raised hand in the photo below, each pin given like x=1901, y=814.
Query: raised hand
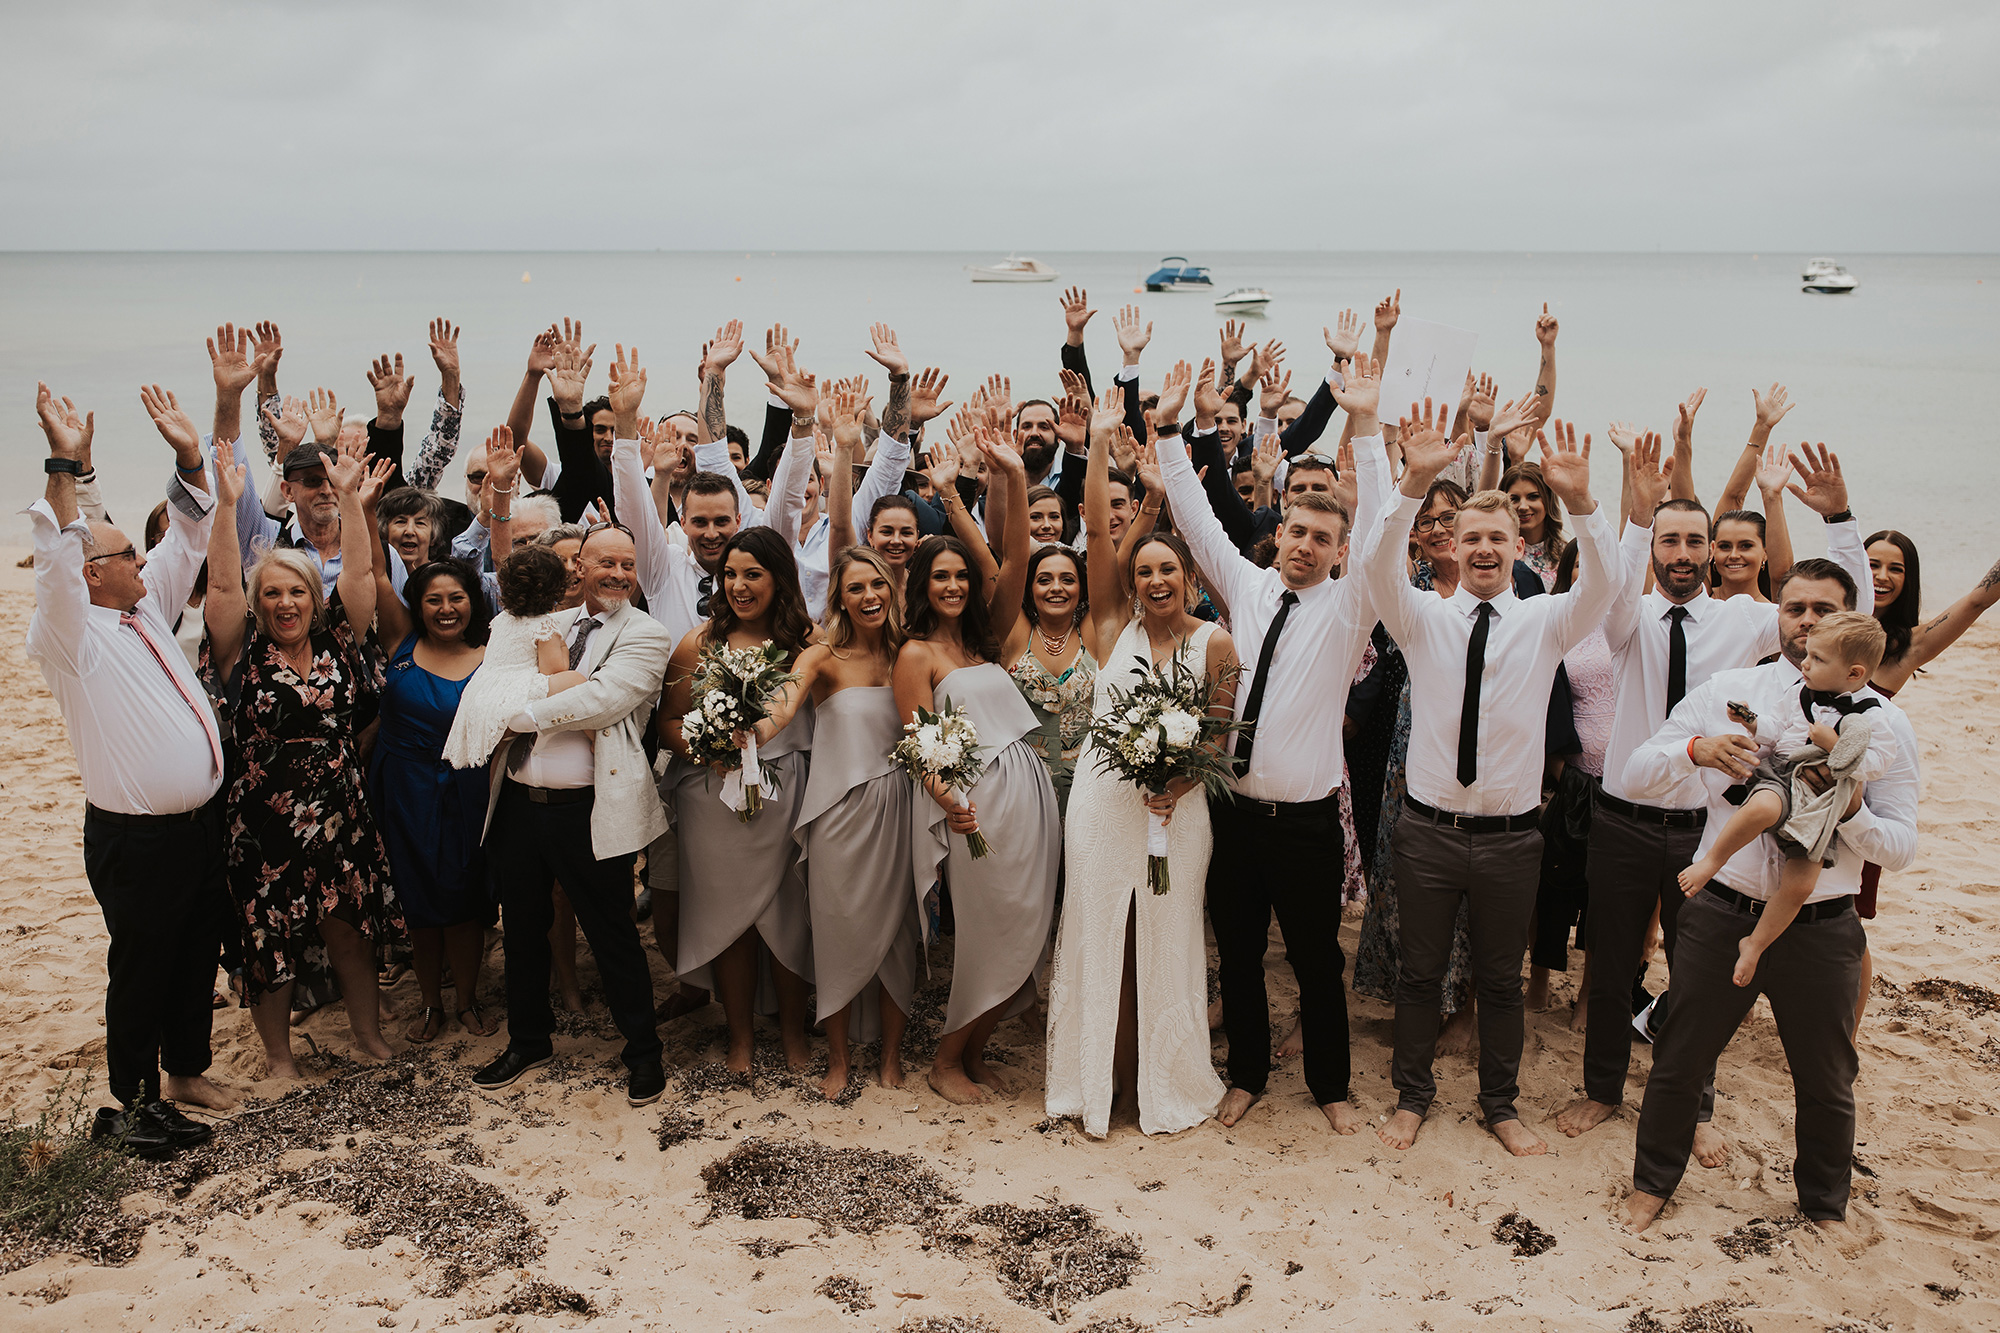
x=778, y=349
x=174, y=425
x=228, y=358
x=1232, y=343
x=941, y=464
x=1684, y=420
x=1360, y=397
x=1625, y=437
x=885, y=352
x=1479, y=408
x=374, y=480
x=1387, y=311
x=345, y=472
x=1124, y=448
x=1344, y=337
x=848, y=404
x=1132, y=337
x=542, y=351
x=999, y=451
x=1076, y=314
x=270, y=348
x=1513, y=415
x=1566, y=467
x=1107, y=411
x=87, y=424
x=1264, y=459
x=1825, y=489
x=1545, y=327
x=503, y=460
x=1427, y=447
x=392, y=389
x=324, y=415
x=800, y=390
x=1652, y=477
x=999, y=400
x=1268, y=358
x=229, y=474
x=444, y=352
x=1772, y=473
x=1207, y=397
x=1771, y=407
x=723, y=348
x=1073, y=421
x=628, y=390
x=925, y=392
x=1146, y=463
x=1173, y=394
x=569, y=371
x=1346, y=488
x=64, y=431
x=1272, y=396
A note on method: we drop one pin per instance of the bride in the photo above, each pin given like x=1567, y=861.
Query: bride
x=1128, y=997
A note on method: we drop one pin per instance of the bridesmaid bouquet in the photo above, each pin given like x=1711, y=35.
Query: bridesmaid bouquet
x=1156, y=732
x=733, y=689
x=944, y=746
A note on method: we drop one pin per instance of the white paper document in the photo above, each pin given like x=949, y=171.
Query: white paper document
x=1426, y=360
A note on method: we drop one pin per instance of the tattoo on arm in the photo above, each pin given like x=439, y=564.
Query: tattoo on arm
x=1939, y=620
x=896, y=416
x=1992, y=576
x=1542, y=376
x=713, y=419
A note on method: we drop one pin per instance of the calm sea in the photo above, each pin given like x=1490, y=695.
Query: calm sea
x=1902, y=377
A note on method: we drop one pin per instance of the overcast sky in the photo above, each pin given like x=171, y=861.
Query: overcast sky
x=1765, y=124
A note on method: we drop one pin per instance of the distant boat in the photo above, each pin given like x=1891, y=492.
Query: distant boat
x=1827, y=277
x=1013, y=268
x=1243, y=301
x=525, y=277
x=1175, y=274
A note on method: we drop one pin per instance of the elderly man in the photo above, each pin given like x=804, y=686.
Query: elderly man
x=150, y=755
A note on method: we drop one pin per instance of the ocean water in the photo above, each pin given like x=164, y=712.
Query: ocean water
x=1901, y=378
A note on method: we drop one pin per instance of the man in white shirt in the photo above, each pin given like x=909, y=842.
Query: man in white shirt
x=150, y=755
x=1481, y=666
x=1278, y=834
x=1665, y=643
x=1811, y=974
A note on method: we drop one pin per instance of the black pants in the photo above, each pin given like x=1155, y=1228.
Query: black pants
x=1632, y=865
x=1812, y=976
x=166, y=905
x=528, y=848
x=1289, y=863
x=1495, y=875
x=1562, y=899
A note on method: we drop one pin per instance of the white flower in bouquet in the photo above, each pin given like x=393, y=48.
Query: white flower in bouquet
x=1182, y=728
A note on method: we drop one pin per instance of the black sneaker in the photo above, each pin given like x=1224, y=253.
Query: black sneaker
x=509, y=1069
x=647, y=1083
x=643, y=905
x=181, y=1131
x=129, y=1130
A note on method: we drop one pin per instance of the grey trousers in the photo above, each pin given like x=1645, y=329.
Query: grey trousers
x=1632, y=866
x=1812, y=976
x=1497, y=875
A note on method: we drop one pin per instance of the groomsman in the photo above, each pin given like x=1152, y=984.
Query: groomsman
x=1481, y=665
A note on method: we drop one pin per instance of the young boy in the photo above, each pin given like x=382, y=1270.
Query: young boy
x=1843, y=652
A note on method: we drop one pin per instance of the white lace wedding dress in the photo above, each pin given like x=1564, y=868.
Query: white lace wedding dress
x=507, y=681
x=1106, y=851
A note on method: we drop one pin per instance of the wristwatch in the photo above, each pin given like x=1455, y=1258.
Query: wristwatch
x=69, y=465
x=1844, y=516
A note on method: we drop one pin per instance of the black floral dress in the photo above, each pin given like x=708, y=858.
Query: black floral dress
x=302, y=842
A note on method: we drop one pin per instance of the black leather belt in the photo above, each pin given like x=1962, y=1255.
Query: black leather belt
x=1653, y=814
x=1743, y=902
x=1325, y=806
x=1472, y=823
x=553, y=795
x=143, y=821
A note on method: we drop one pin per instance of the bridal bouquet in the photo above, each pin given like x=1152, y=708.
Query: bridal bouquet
x=1156, y=732
x=733, y=689
x=944, y=746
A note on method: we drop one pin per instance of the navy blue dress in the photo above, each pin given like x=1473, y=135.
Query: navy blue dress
x=430, y=813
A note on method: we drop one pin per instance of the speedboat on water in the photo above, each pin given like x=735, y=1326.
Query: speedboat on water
x=1243, y=301
x=1175, y=274
x=1823, y=275
x=1013, y=269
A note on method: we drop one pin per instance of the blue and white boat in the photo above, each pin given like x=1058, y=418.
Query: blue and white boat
x=1175, y=274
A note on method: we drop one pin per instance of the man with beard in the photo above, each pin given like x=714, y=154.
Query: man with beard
x=1665, y=644
x=1812, y=972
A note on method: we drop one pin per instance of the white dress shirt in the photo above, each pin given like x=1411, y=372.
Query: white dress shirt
x=1298, y=755
x=562, y=760
x=139, y=745
x=1722, y=635
x=1525, y=644
x=884, y=477
x=1884, y=830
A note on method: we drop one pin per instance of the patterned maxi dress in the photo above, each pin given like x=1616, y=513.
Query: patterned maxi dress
x=302, y=841
x=1062, y=714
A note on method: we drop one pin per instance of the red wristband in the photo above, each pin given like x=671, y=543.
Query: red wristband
x=1691, y=758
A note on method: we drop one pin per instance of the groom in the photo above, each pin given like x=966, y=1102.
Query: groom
x=1277, y=833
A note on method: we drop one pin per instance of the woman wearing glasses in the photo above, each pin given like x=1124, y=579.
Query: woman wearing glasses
x=740, y=884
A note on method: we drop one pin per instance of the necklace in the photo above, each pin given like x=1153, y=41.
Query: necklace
x=1054, y=647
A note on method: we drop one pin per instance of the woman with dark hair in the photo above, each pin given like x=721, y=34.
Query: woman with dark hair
x=1892, y=558
x=1751, y=552
x=1045, y=641
x=1003, y=902
x=1045, y=516
x=1540, y=516
x=431, y=814
x=740, y=884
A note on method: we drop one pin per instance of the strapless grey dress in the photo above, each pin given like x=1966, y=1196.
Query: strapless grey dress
x=1005, y=901
x=736, y=875
x=852, y=832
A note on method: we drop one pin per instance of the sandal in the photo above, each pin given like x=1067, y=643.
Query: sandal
x=477, y=1026
x=430, y=1022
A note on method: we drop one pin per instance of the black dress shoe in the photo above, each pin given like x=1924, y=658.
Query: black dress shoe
x=181, y=1131
x=130, y=1130
x=647, y=1083
x=508, y=1070
x=644, y=904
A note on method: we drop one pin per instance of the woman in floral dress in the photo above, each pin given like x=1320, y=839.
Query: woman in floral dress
x=1050, y=664
x=306, y=866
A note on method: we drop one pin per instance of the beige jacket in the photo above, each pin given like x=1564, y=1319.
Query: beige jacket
x=627, y=665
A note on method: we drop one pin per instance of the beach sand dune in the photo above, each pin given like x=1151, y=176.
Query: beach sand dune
x=396, y=1198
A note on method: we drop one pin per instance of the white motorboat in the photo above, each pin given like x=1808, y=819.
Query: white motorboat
x=1013, y=268
x=1827, y=277
x=1243, y=301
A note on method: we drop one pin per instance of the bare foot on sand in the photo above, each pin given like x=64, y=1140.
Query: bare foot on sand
x=1215, y=1014
x=835, y=1081
x=1583, y=1115
x=572, y=1000
x=986, y=1076
x=1640, y=1210
x=740, y=1053
x=1124, y=1108
x=956, y=1088
x=196, y=1090
x=1294, y=1042
x=1579, y=1014
x=1343, y=1117
x=1518, y=1139
x=1401, y=1131
x=371, y=1046
x=1235, y=1103
x=1458, y=1035
x=798, y=1051
x=286, y=1069
x=1538, y=989
x=1710, y=1148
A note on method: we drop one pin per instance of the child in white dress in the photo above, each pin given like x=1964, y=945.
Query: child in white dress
x=525, y=659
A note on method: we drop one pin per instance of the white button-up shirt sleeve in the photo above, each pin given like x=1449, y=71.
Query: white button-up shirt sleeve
x=56, y=631
x=633, y=499
x=714, y=457
x=1220, y=562
x=1597, y=579
x=787, y=500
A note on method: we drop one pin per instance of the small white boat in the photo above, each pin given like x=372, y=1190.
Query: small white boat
x=1013, y=268
x=1243, y=301
x=1825, y=276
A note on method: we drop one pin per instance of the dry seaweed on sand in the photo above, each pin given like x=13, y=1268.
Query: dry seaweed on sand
x=677, y=1126
x=539, y=1297
x=1964, y=994
x=850, y=1294
x=1118, y=1323
x=59, y=1190
x=947, y=1323
x=1048, y=1258
x=1712, y=1317
x=1758, y=1236
x=768, y=1074
x=856, y=1189
x=1527, y=1239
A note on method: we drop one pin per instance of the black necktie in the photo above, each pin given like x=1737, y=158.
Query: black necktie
x=1468, y=713
x=1677, y=657
x=1839, y=703
x=1246, y=740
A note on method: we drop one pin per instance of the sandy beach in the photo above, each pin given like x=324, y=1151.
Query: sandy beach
x=395, y=1197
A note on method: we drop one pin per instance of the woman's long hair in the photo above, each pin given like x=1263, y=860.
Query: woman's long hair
x=975, y=625
x=838, y=630
x=1899, y=617
x=1190, y=576
x=1046, y=551
x=791, y=624
x=1755, y=520
x=1552, y=509
x=478, y=620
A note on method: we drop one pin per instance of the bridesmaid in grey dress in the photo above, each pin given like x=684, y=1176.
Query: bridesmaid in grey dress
x=1005, y=901
x=743, y=898
x=854, y=823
